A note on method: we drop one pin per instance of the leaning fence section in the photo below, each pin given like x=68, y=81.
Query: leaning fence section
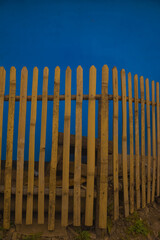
x=105, y=169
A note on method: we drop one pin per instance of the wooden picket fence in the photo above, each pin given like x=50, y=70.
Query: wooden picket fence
x=141, y=178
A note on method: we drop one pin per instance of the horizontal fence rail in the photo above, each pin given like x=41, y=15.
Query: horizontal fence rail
x=79, y=187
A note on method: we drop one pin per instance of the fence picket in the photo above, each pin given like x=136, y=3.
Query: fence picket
x=143, y=172
x=153, y=141
x=20, y=146
x=148, y=142
x=124, y=143
x=131, y=156
x=90, y=148
x=78, y=149
x=9, y=151
x=104, y=151
x=41, y=177
x=2, y=89
x=54, y=153
x=29, y=210
x=158, y=140
x=115, y=142
x=137, y=142
x=66, y=149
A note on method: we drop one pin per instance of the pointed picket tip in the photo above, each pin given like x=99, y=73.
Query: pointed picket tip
x=141, y=80
x=79, y=67
x=114, y=69
x=24, y=69
x=105, y=67
x=35, y=69
x=122, y=70
x=93, y=68
x=57, y=68
x=123, y=74
x=46, y=70
x=13, y=69
x=147, y=80
x=68, y=69
x=136, y=77
x=129, y=74
x=2, y=69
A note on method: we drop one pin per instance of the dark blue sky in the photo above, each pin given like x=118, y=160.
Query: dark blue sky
x=125, y=34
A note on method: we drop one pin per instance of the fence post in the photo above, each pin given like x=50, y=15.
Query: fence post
x=143, y=159
x=78, y=149
x=158, y=140
x=66, y=149
x=41, y=171
x=131, y=156
x=104, y=151
x=153, y=141
x=124, y=143
x=54, y=153
x=148, y=143
x=20, y=147
x=29, y=210
x=2, y=89
x=9, y=152
x=115, y=143
x=137, y=142
x=90, y=148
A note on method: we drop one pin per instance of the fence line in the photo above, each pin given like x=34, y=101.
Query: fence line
x=141, y=173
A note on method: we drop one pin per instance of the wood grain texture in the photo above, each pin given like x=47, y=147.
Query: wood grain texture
x=29, y=210
x=137, y=142
x=158, y=139
x=54, y=153
x=41, y=171
x=131, y=156
x=104, y=151
x=9, y=151
x=148, y=143
x=153, y=141
x=90, y=148
x=20, y=146
x=115, y=142
x=124, y=143
x=78, y=149
x=2, y=90
x=66, y=150
x=143, y=173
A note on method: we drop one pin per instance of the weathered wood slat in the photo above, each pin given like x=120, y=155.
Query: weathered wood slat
x=115, y=142
x=143, y=143
x=104, y=150
x=9, y=151
x=29, y=210
x=78, y=149
x=54, y=153
x=153, y=142
x=137, y=142
x=20, y=146
x=148, y=143
x=84, y=142
x=131, y=144
x=158, y=140
x=124, y=143
x=90, y=148
x=41, y=177
x=2, y=89
x=66, y=149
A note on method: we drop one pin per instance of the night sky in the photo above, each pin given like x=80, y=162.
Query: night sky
x=125, y=34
